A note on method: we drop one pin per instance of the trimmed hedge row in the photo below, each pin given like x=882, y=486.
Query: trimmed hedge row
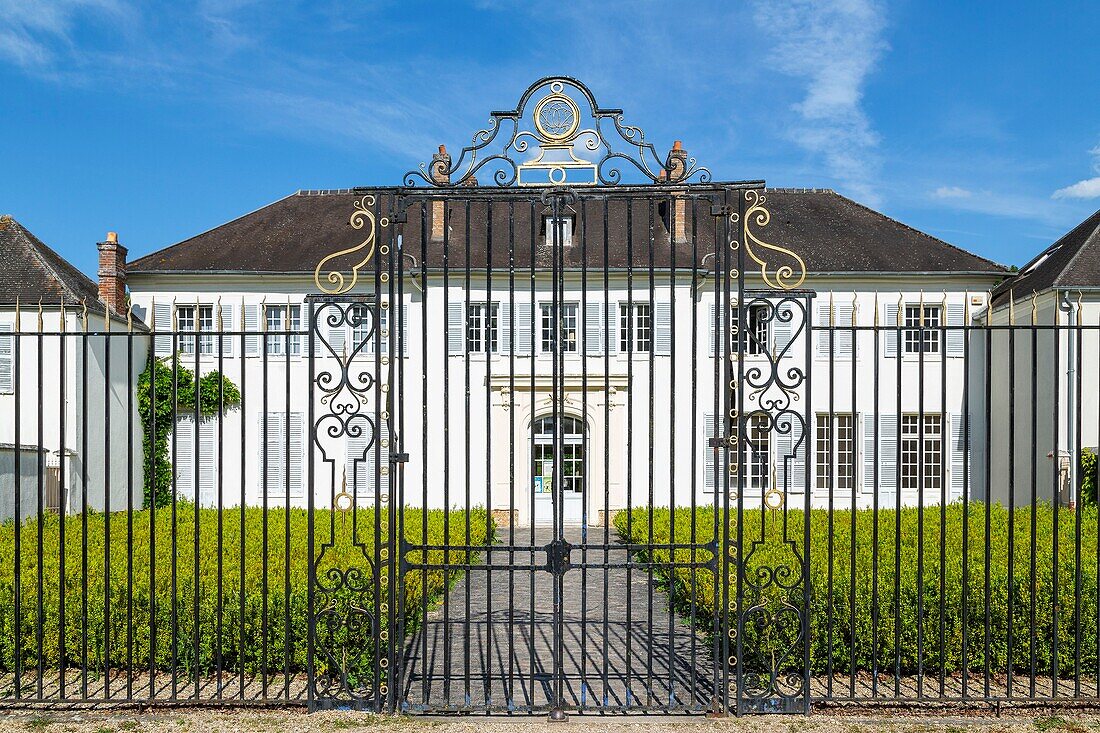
x=251, y=610
x=1041, y=627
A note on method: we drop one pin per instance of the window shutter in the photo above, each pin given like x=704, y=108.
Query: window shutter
x=960, y=467
x=798, y=457
x=207, y=462
x=7, y=351
x=713, y=332
x=184, y=453
x=251, y=326
x=275, y=462
x=610, y=323
x=708, y=451
x=824, y=334
x=844, y=341
x=296, y=426
x=593, y=329
x=162, y=323
x=890, y=331
x=782, y=330
x=337, y=337
x=662, y=328
x=888, y=455
x=956, y=335
x=869, y=457
x=227, y=324
x=506, y=328
x=361, y=462
x=404, y=329
x=456, y=329
x=524, y=329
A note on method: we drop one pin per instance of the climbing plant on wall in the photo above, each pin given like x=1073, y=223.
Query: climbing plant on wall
x=167, y=389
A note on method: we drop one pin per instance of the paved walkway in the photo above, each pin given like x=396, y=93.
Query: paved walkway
x=490, y=645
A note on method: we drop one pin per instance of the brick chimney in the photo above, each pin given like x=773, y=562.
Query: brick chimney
x=440, y=171
x=112, y=273
x=676, y=166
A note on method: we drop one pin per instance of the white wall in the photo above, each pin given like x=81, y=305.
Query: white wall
x=480, y=430
x=71, y=397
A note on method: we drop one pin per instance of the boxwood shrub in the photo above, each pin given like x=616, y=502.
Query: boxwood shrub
x=930, y=584
x=263, y=595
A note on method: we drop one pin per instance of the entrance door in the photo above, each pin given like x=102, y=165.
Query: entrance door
x=544, y=484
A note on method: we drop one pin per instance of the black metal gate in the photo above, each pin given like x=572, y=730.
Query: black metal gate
x=568, y=393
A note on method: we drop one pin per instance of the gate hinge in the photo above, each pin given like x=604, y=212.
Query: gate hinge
x=717, y=443
x=719, y=210
x=399, y=457
x=557, y=557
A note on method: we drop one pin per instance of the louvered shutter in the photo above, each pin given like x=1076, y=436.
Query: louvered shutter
x=662, y=328
x=844, y=341
x=890, y=332
x=456, y=329
x=183, y=454
x=888, y=456
x=251, y=326
x=956, y=335
x=610, y=324
x=361, y=462
x=797, y=461
x=271, y=437
x=782, y=328
x=296, y=428
x=524, y=329
x=713, y=332
x=593, y=329
x=506, y=328
x=162, y=323
x=227, y=324
x=709, y=452
x=404, y=329
x=207, y=462
x=337, y=336
x=960, y=449
x=7, y=356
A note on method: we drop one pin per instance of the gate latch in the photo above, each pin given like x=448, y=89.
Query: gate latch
x=557, y=557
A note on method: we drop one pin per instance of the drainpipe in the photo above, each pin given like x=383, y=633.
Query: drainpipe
x=1071, y=395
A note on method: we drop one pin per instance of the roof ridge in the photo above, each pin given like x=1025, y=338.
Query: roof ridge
x=34, y=245
x=1084, y=244
x=933, y=237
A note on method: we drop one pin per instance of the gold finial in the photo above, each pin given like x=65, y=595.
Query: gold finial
x=84, y=313
x=63, y=314
x=943, y=303
x=153, y=314
x=832, y=311
x=130, y=317
x=242, y=315
x=18, y=315
x=921, y=314
x=1034, y=308
x=286, y=319
x=966, y=308
x=855, y=308
x=876, y=310
x=175, y=316
x=220, y=326
x=40, y=328
x=197, y=320
x=106, y=318
x=1011, y=307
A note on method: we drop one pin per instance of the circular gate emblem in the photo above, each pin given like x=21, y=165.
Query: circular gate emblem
x=557, y=117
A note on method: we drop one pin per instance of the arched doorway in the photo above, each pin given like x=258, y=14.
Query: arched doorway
x=544, y=483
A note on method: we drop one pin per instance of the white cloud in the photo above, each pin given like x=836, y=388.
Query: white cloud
x=1089, y=188
x=952, y=192
x=33, y=30
x=833, y=46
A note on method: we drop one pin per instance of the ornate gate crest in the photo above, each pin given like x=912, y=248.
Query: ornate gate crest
x=557, y=136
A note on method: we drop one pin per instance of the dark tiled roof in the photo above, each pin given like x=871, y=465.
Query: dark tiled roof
x=832, y=233
x=31, y=271
x=1071, y=262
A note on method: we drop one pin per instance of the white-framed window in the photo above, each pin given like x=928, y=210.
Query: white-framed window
x=276, y=323
x=835, y=451
x=279, y=435
x=754, y=338
x=922, y=329
x=567, y=327
x=190, y=318
x=921, y=452
x=482, y=328
x=566, y=230
x=635, y=327
x=756, y=453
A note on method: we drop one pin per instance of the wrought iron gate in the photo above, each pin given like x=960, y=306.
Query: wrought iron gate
x=565, y=294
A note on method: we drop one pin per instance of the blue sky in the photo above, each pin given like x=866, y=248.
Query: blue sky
x=976, y=122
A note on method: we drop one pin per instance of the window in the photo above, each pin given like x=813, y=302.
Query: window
x=921, y=452
x=754, y=339
x=185, y=323
x=567, y=327
x=481, y=328
x=922, y=336
x=835, y=451
x=566, y=231
x=278, y=436
x=635, y=327
x=276, y=323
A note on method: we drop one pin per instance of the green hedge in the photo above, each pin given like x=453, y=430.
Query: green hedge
x=852, y=645
x=282, y=643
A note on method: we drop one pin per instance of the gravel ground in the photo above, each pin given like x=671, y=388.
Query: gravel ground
x=291, y=721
